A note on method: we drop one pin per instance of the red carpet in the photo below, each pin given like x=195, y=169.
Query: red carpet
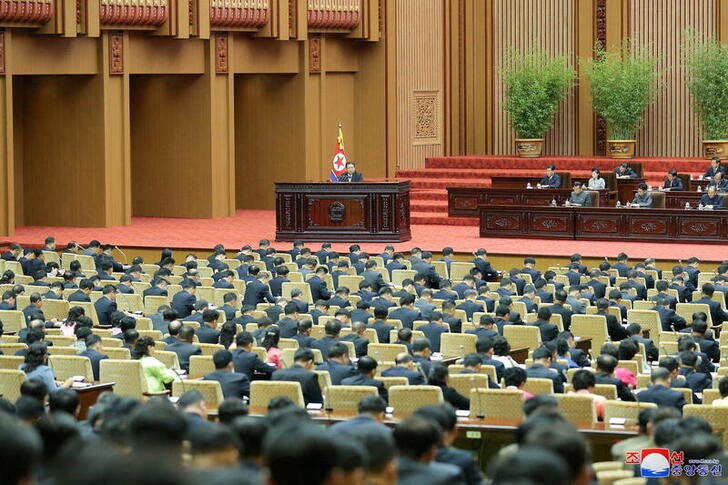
x=429, y=194
x=249, y=226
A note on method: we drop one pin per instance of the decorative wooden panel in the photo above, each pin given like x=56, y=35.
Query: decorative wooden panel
x=523, y=24
x=32, y=12
x=420, y=74
x=671, y=127
x=133, y=12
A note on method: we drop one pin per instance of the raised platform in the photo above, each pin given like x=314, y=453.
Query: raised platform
x=428, y=201
x=249, y=226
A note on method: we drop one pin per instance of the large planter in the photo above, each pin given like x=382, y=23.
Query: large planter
x=529, y=147
x=715, y=148
x=621, y=148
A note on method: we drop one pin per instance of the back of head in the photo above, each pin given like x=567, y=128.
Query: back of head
x=416, y=436
x=313, y=450
x=64, y=400
x=530, y=465
x=566, y=442
x=20, y=450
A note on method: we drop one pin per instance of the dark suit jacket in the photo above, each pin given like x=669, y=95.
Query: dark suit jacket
x=598, y=287
x=319, y=291
x=32, y=312
x=412, y=472
x=324, y=345
x=354, y=177
x=184, y=350
x=288, y=326
x=565, y=313
x=392, y=265
x=553, y=182
x=256, y=292
x=462, y=460
x=413, y=377
x=709, y=347
x=362, y=380
x=431, y=277
x=623, y=392
x=229, y=312
x=337, y=371
x=304, y=341
x=433, y=331
x=470, y=307
x=183, y=303
x=249, y=364
x=614, y=328
x=406, y=315
x=361, y=345
x=375, y=279
x=662, y=396
x=233, y=384
x=276, y=285
x=674, y=184
x=339, y=302
x=668, y=319
x=541, y=372
x=126, y=290
x=207, y=334
x=104, y=308
x=382, y=329
x=716, y=312
x=650, y=348
x=155, y=291
x=308, y=380
x=95, y=358
x=548, y=330
x=697, y=381
x=577, y=355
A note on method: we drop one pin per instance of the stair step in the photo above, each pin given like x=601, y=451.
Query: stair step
x=424, y=218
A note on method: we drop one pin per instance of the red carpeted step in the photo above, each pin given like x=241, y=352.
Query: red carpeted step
x=428, y=194
x=426, y=183
x=434, y=206
x=434, y=219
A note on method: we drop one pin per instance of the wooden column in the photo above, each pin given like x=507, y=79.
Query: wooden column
x=585, y=10
x=7, y=152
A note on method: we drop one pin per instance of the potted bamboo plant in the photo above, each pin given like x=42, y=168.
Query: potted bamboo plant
x=535, y=84
x=707, y=65
x=623, y=85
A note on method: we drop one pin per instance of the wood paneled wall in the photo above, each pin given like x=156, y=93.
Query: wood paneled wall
x=671, y=127
x=523, y=25
x=420, y=81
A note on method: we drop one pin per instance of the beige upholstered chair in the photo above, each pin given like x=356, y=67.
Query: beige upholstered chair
x=261, y=392
x=10, y=382
x=201, y=365
x=324, y=380
x=61, y=341
x=406, y=399
x=457, y=344
x=57, y=309
x=118, y=353
x=464, y=383
x=13, y=320
x=717, y=416
x=152, y=303
x=710, y=395
x=577, y=408
x=110, y=342
x=496, y=403
x=127, y=375
x=11, y=362
x=610, y=477
x=65, y=366
x=168, y=358
x=288, y=343
x=393, y=381
x=602, y=466
x=62, y=350
x=11, y=349
x=346, y=398
x=129, y=302
x=593, y=326
x=607, y=390
x=627, y=410
x=648, y=320
x=211, y=390
x=686, y=311
x=522, y=336
x=536, y=385
x=210, y=349
x=385, y=352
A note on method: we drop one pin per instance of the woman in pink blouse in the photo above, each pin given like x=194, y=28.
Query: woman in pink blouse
x=270, y=343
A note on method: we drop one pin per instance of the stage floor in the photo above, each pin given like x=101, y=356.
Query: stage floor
x=249, y=226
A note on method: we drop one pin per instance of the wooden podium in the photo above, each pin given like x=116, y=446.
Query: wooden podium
x=356, y=212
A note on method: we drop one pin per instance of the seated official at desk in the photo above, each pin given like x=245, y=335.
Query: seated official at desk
x=715, y=167
x=642, y=198
x=579, y=196
x=711, y=200
x=673, y=182
x=624, y=171
x=351, y=175
x=596, y=182
x=551, y=180
x=720, y=183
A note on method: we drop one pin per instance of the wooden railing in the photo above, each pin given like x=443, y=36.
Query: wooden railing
x=334, y=14
x=133, y=12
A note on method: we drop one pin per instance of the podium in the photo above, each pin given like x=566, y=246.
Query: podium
x=352, y=212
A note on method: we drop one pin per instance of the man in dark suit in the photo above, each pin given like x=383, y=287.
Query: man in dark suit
x=332, y=331
x=450, y=317
x=661, y=286
x=621, y=266
x=632, y=282
x=338, y=364
x=224, y=280
x=276, y=284
x=385, y=299
x=605, y=375
x=320, y=309
x=406, y=313
x=183, y=302
x=106, y=305
x=669, y=320
x=367, y=423
x=367, y=368
x=246, y=361
x=233, y=384
x=351, y=174
x=434, y=330
x=405, y=367
x=660, y=392
x=13, y=253
x=708, y=346
x=94, y=352
x=358, y=338
x=208, y=332
x=445, y=292
x=373, y=277
x=257, y=291
x=598, y=288
x=551, y=180
x=340, y=298
x=425, y=267
x=548, y=330
x=634, y=331
x=542, y=293
x=673, y=182
x=230, y=305
x=559, y=309
x=486, y=328
x=319, y=291
x=158, y=288
x=9, y=301
x=33, y=311
x=697, y=381
x=468, y=283
x=184, y=347
x=303, y=337
x=380, y=325
x=483, y=265
x=614, y=328
x=421, y=352
x=301, y=372
x=395, y=263
x=716, y=312
x=541, y=368
x=471, y=304
x=289, y=323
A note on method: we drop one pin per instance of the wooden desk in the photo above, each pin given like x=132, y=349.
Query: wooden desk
x=627, y=187
x=695, y=183
x=584, y=344
x=604, y=223
x=87, y=396
x=676, y=199
x=465, y=201
x=520, y=354
x=362, y=212
x=520, y=181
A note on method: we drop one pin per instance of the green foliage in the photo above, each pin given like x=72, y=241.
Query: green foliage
x=623, y=84
x=707, y=63
x=535, y=84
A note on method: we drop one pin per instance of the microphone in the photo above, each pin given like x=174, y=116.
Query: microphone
x=480, y=414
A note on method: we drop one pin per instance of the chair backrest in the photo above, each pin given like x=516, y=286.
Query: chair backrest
x=407, y=399
x=10, y=382
x=716, y=416
x=12, y=348
x=65, y=366
x=61, y=340
x=459, y=269
x=153, y=302
x=324, y=380
x=399, y=275
x=201, y=365
x=710, y=395
x=457, y=344
x=648, y=320
x=120, y=353
x=57, y=350
x=304, y=287
x=89, y=309
x=127, y=375
x=626, y=410
x=57, y=309
x=385, y=352
x=129, y=302
x=536, y=385
x=496, y=403
x=393, y=381
x=592, y=326
x=13, y=320
x=210, y=349
x=261, y=392
x=168, y=358
x=288, y=343
x=522, y=336
x=686, y=311
x=577, y=408
x=11, y=362
x=211, y=390
x=607, y=390
x=464, y=383
x=346, y=398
